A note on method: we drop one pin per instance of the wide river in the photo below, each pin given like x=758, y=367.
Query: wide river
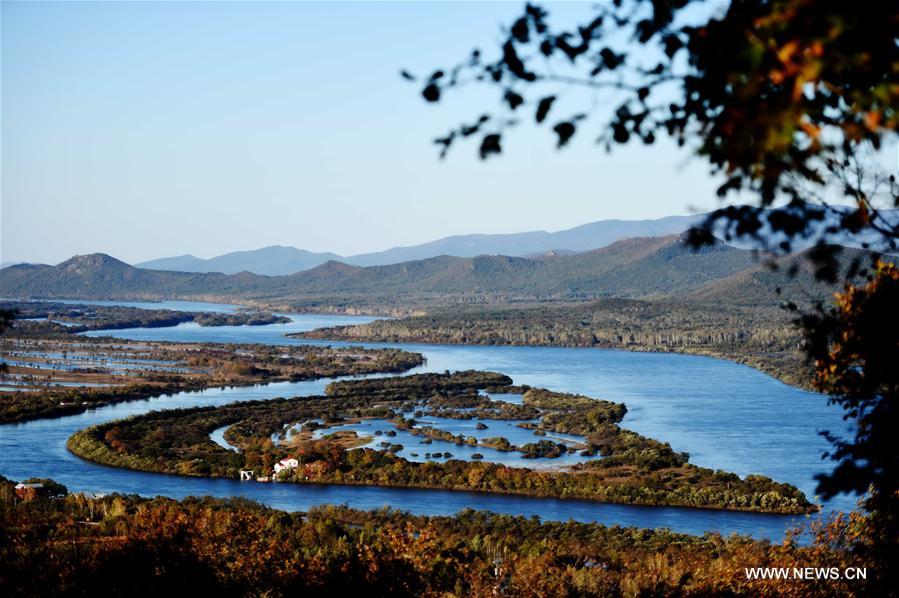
x=725, y=415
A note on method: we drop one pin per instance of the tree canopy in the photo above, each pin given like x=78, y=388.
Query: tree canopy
x=790, y=102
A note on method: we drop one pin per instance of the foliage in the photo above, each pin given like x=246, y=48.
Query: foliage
x=53, y=487
x=6, y=318
x=635, y=469
x=543, y=448
x=126, y=545
x=855, y=345
x=81, y=317
x=782, y=98
x=762, y=337
x=190, y=367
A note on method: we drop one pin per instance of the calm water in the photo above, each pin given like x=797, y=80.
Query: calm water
x=223, y=308
x=725, y=415
x=417, y=448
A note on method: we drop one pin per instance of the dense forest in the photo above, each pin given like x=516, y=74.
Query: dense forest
x=634, y=469
x=125, y=545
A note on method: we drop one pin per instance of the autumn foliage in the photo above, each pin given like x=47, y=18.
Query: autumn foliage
x=855, y=345
x=130, y=546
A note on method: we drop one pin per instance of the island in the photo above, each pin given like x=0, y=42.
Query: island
x=286, y=440
x=51, y=372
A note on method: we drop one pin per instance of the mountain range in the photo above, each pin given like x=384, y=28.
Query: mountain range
x=279, y=259
x=271, y=261
x=645, y=267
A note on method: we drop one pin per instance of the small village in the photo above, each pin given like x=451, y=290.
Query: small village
x=40, y=488
x=286, y=464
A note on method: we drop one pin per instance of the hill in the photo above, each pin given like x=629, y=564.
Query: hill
x=634, y=268
x=99, y=276
x=278, y=259
x=271, y=261
x=586, y=237
x=763, y=285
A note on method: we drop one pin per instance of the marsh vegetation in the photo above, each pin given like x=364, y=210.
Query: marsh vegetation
x=632, y=469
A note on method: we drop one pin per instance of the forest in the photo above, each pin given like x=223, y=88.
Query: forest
x=126, y=545
x=634, y=469
x=764, y=337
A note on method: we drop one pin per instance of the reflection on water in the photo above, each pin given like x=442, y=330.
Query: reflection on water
x=421, y=448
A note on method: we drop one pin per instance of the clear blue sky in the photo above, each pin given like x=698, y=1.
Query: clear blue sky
x=157, y=129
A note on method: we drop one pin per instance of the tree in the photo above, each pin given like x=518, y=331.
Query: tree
x=855, y=345
x=787, y=99
x=52, y=487
x=6, y=318
x=790, y=102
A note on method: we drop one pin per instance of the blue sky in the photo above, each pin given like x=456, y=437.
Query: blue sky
x=148, y=130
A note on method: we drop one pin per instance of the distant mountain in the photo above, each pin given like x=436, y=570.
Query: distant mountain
x=177, y=263
x=586, y=237
x=641, y=267
x=99, y=276
x=277, y=260
x=271, y=261
x=288, y=260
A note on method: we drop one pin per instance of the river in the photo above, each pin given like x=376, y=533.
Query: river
x=726, y=415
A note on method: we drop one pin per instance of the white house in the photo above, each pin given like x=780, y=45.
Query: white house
x=289, y=463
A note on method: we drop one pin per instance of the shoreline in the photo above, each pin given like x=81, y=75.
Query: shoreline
x=27, y=405
x=755, y=361
x=83, y=455
x=636, y=469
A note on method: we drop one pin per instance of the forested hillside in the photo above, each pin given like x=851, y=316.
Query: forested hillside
x=654, y=267
x=760, y=336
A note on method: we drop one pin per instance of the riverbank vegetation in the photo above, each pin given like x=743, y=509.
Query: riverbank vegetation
x=60, y=374
x=126, y=545
x=634, y=469
x=80, y=317
x=763, y=337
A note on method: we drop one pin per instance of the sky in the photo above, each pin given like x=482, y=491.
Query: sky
x=146, y=130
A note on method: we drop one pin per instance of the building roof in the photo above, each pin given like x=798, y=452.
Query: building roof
x=93, y=495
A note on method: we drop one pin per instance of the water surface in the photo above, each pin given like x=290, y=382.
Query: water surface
x=727, y=416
